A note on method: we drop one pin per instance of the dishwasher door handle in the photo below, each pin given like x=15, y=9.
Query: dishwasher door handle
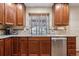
x=59, y=38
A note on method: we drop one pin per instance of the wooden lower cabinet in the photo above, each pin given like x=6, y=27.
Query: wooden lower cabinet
x=23, y=46
x=15, y=47
x=1, y=47
x=19, y=46
x=39, y=46
x=45, y=46
x=8, y=47
x=71, y=46
x=33, y=46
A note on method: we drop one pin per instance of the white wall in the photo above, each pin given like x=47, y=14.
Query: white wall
x=74, y=23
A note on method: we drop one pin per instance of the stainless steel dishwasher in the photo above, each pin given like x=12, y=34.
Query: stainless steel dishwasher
x=59, y=46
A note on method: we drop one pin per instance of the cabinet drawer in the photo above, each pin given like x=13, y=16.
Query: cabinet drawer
x=71, y=43
x=71, y=47
x=71, y=52
x=71, y=39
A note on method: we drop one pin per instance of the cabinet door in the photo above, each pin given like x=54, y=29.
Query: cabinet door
x=45, y=46
x=1, y=47
x=19, y=14
x=8, y=47
x=10, y=14
x=15, y=47
x=71, y=46
x=1, y=13
x=61, y=14
x=33, y=45
x=58, y=15
x=65, y=17
x=23, y=46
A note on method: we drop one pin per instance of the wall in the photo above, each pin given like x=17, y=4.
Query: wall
x=74, y=23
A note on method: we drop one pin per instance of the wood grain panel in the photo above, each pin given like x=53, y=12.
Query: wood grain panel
x=8, y=47
x=71, y=46
x=23, y=46
x=10, y=14
x=20, y=15
x=65, y=14
x=1, y=13
x=34, y=47
x=45, y=46
x=1, y=47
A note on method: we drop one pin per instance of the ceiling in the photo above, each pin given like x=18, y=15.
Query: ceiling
x=38, y=4
x=46, y=4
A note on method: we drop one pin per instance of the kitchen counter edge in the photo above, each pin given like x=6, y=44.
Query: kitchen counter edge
x=8, y=36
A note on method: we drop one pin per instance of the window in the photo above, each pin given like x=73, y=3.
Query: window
x=39, y=24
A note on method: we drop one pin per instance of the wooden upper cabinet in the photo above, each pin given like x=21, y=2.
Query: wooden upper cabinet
x=10, y=14
x=1, y=13
x=19, y=15
x=65, y=20
x=61, y=14
x=57, y=14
